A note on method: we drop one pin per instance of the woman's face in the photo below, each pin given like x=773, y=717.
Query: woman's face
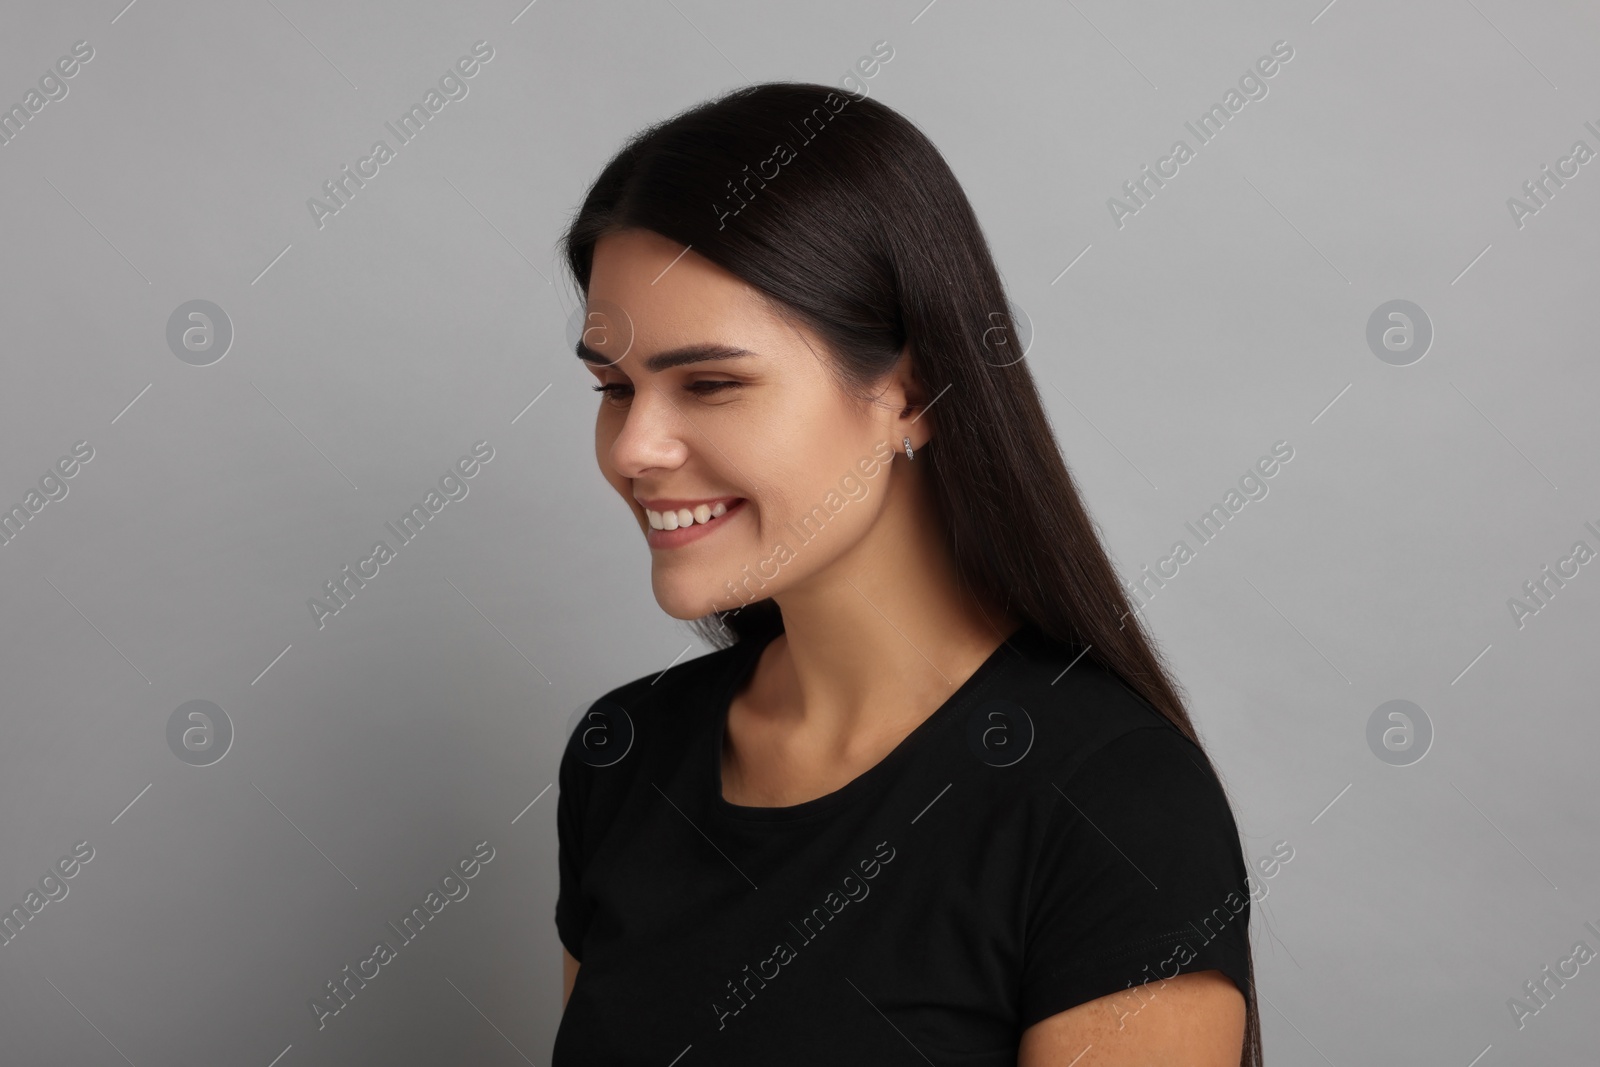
x=766, y=432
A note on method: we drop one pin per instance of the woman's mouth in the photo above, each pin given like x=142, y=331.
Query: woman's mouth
x=674, y=527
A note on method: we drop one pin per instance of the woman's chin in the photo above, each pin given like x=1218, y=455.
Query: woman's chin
x=686, y=597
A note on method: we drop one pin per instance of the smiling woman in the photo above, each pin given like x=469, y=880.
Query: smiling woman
x=945, y=672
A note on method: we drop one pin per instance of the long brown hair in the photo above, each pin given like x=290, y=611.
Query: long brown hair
x=846, y=216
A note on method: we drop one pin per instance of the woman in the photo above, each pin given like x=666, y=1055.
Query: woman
x=932, y=799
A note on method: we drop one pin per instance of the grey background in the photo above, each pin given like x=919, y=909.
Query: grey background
x=368, y=355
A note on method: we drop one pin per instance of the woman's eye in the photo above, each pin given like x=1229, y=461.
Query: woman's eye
x=613, y=392
x=703, y=388
x=616, y=393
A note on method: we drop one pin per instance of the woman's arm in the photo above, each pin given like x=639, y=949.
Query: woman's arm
x=569, y=974
x=1195, y=1019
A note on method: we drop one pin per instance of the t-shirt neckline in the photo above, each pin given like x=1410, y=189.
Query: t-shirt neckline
x=744, y=665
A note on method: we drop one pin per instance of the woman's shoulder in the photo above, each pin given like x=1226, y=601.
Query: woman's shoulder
x=1074, y=712
x=1136, y=866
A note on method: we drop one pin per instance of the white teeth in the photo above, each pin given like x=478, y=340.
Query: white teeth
x=671, y=520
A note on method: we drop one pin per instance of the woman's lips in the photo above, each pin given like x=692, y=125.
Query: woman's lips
x=683, y=535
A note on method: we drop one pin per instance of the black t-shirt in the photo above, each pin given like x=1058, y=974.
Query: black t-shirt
x=1043, y=839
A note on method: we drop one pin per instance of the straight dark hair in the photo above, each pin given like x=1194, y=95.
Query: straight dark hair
x=846, y=217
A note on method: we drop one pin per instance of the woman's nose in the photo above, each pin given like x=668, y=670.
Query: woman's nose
x=651, y=436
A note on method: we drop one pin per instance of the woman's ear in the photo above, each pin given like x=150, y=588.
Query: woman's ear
x=911, y=398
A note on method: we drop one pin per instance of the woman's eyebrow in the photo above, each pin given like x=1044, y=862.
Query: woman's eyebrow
x=676, y=357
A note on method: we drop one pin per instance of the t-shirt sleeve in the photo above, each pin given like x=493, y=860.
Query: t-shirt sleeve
x=572, y=910
x=1139, y=877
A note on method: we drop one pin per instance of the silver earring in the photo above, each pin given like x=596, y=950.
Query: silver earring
x=907, y=442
